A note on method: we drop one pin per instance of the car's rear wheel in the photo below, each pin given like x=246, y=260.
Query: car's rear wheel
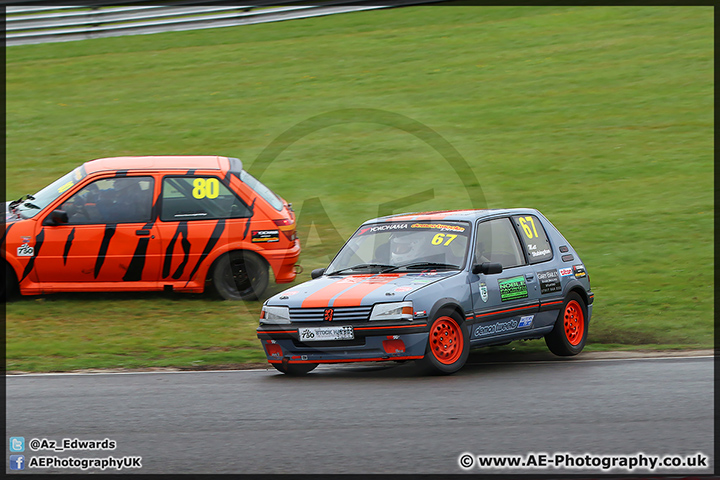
x=240, y=275
x=295, y=369
x=571, y=328
x=448, y=345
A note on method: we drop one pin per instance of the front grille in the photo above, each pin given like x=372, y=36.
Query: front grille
x=340, y=314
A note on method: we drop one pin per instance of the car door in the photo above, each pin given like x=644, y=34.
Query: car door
x=198, y=215
x=504, y=304
x=110, y=241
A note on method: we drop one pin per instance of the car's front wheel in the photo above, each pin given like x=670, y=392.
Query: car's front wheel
x=571, y=328
x=240, y=275
x=295, y=369
x=448, y=345
x=9, y=288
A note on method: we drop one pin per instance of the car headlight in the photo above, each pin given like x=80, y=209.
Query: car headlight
x=274, y=315
x=390, y=311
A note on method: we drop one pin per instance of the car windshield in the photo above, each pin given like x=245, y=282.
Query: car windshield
x=31, y=206
x=391, y=246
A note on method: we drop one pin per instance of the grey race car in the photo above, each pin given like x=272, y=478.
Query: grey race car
x=430, y=286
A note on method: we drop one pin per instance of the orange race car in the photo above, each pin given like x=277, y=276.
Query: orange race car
x=151, y=223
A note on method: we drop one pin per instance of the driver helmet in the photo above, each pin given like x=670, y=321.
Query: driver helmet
x=405, y=247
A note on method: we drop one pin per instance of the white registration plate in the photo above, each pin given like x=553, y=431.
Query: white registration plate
x=318, y=334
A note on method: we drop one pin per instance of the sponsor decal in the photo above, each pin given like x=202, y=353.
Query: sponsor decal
x=25, y=239
x=495, y=328
x=291, y=293
x=420, y=313
x=439, y=226
x=265, y=236
x=540, y=253
x=564, y=272
x=483, y=292
x=383, y=228
x=512, y=288
x=525, y=321
x=403, y=289
x=66, y=187
x=428, y=273
x=579, y=271
x=549, y=281
x=25, y=250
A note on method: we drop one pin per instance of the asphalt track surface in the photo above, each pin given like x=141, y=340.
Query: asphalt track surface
x=370, y=419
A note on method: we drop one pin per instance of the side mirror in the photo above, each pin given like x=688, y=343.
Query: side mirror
x=56, y=217
x=487, y=268
x=317, y=273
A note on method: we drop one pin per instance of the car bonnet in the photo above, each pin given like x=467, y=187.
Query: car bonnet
x=356, y=290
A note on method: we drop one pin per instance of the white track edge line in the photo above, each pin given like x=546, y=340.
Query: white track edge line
x=558, y=362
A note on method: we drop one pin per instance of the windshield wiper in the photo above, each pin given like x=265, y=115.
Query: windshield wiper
x=424, y=265
x=361, y=265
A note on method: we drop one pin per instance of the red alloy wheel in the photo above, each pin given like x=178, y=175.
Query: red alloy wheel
x=446, y=340
x=574, y=323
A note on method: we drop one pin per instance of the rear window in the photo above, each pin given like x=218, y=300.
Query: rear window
x=264, y=192
x=199, y=198
x=533, y=237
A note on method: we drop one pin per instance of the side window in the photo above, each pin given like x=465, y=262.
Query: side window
x=112, y=200
x=533, y=236
x=498, y=243
x=199, y=198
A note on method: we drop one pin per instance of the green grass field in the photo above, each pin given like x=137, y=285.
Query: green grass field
x=601, y=117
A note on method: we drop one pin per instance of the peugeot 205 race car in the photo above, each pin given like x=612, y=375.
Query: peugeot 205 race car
x=428, y=287
x=151, y=223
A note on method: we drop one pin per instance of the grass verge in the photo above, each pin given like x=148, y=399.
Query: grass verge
x=601, y=117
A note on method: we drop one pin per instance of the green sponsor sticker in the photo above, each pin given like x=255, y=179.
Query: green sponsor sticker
x=512, y=288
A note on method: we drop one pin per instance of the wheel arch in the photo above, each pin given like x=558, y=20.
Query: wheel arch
x=446, y=303
x=577, y=287
x=219, y=253
x=12, y=265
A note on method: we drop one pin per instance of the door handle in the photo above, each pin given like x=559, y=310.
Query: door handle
x=142, y=233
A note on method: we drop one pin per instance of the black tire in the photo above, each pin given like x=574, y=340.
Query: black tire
x=295, y=369
x=240, y=275
x=448, y=345
x=9, y=288
x=568, y=336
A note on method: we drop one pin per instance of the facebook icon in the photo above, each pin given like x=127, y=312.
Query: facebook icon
x=17, y=462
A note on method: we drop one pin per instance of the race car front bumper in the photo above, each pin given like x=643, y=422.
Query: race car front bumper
x=371, y=343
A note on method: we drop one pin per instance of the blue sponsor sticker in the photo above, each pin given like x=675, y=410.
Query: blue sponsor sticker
x=525, y=321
